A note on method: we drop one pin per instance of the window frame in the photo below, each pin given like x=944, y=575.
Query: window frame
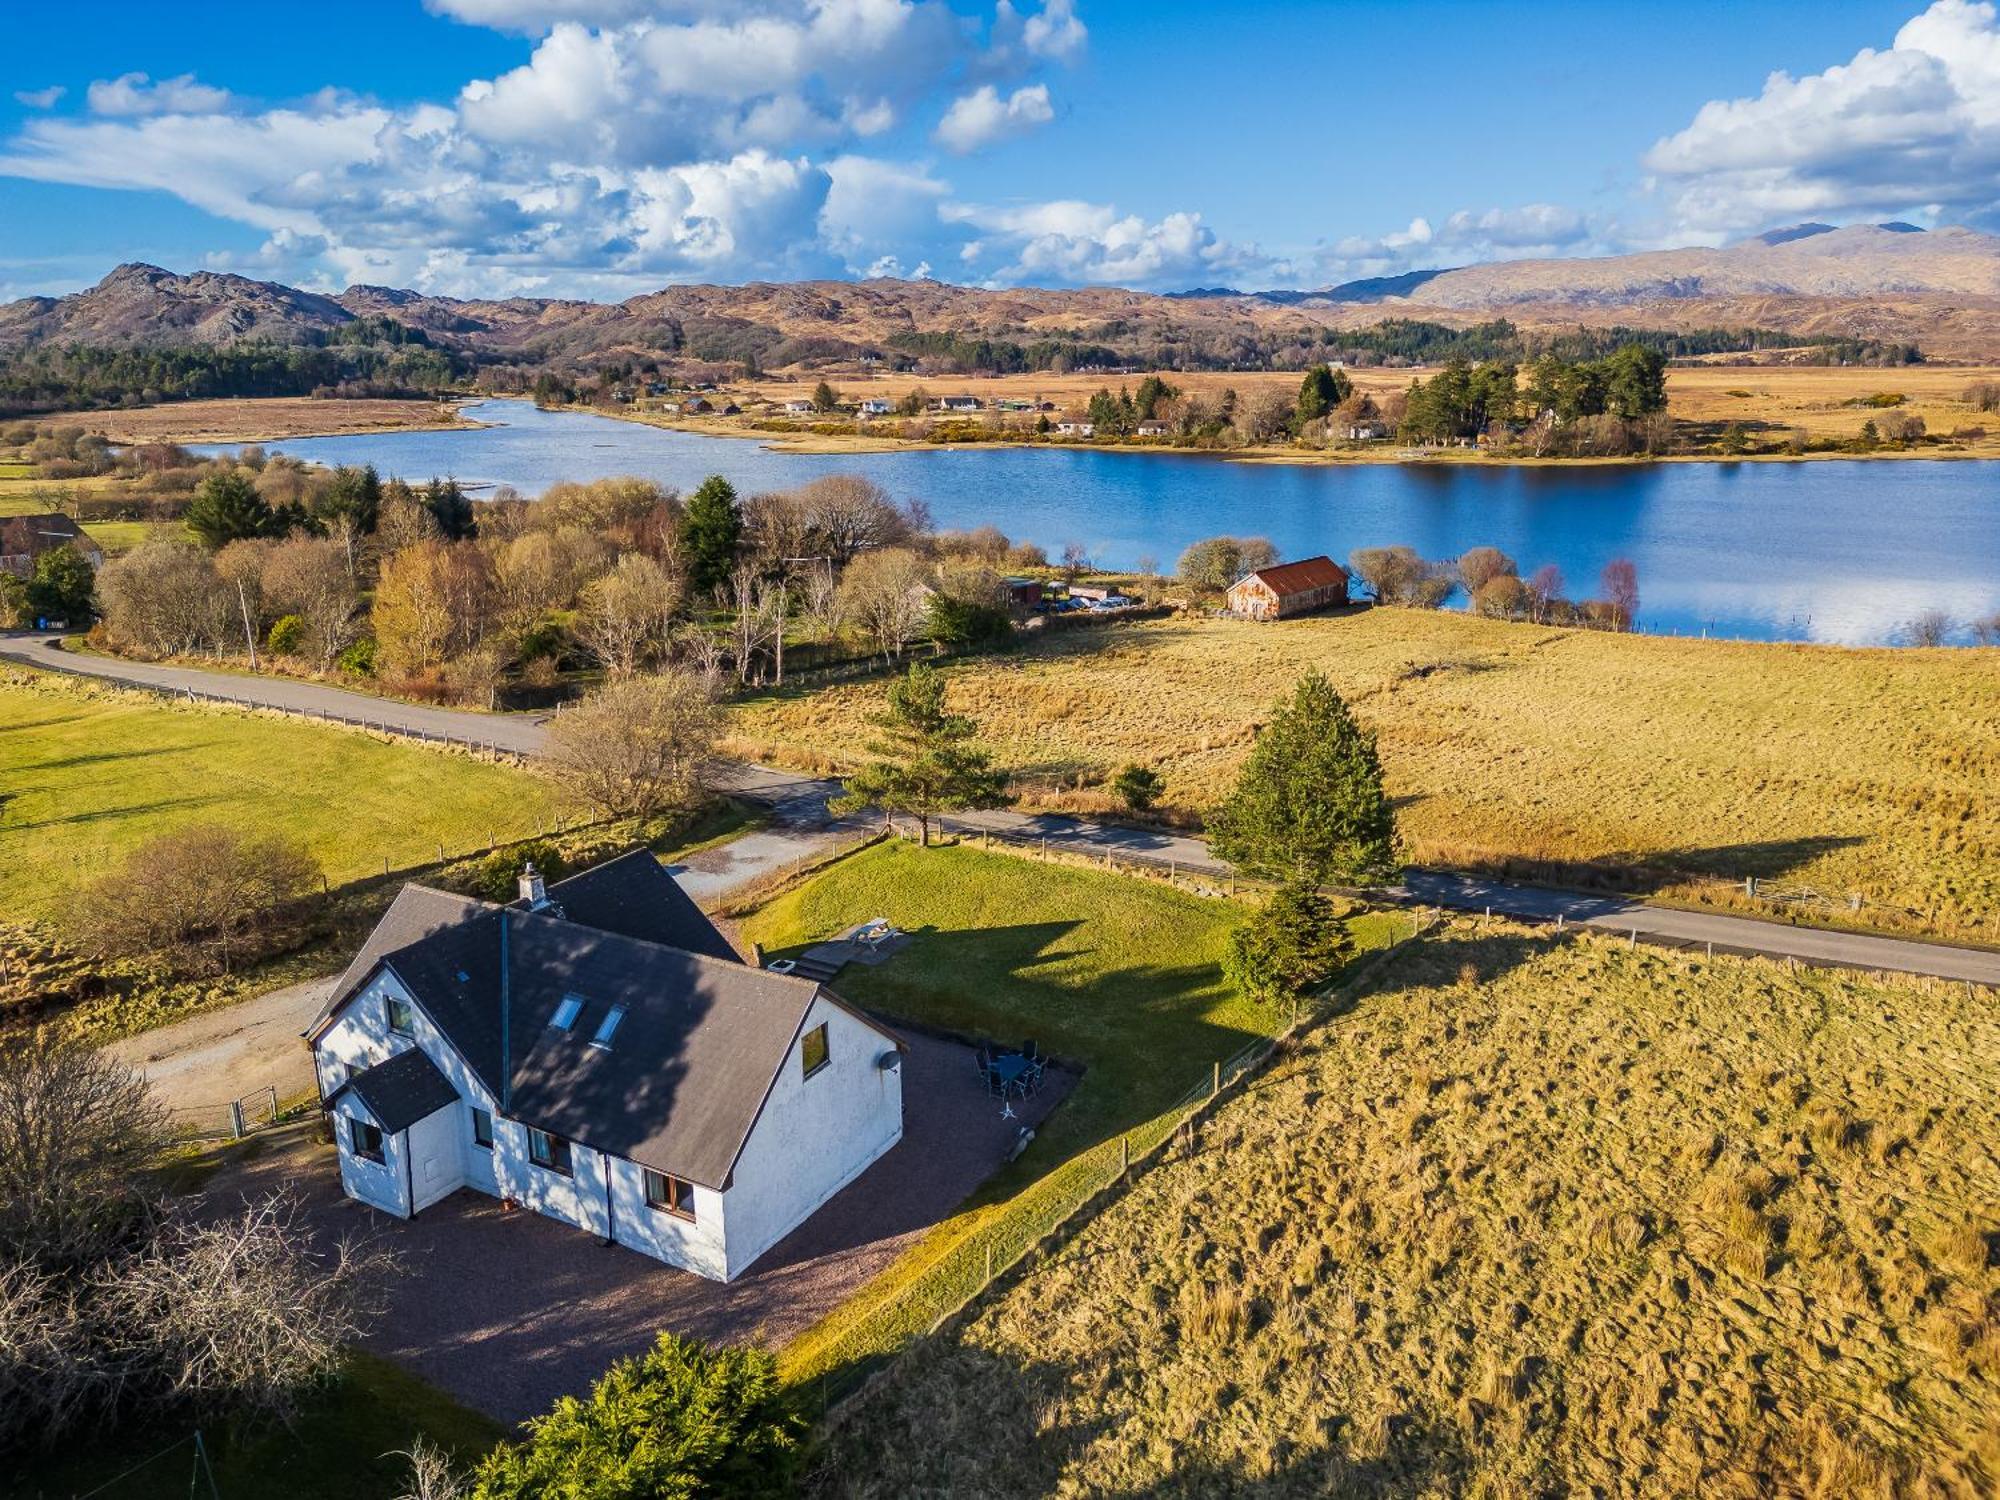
x=393, y=1003
x=607, y=1028
x=566, y=1166
x=568, y=1011
x=676, y=1196
x=485, y=1115
x=378, y=1153
x=808, y=1067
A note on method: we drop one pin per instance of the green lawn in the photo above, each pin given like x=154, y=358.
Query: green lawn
x=122, y=536
x=344, y=1447
x=1120, y=974
x=86, y=774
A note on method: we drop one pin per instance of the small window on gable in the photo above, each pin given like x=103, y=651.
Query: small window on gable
x=402, y=1017
x=608, y=1027
x=813, y=1051
x=567, y=1012
x=548, y=1151
x=482, y=1128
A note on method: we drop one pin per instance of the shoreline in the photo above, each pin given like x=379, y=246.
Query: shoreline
x=827, y=446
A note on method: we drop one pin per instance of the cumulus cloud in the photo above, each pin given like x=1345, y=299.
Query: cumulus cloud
x=46, y=98
x=982, y=117
x=135, y=94
x=639, y=142
x=1073, y=241
x=1911, y=130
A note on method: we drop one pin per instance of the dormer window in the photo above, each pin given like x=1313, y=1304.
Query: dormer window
x=567, y=1012
x=608, y=1027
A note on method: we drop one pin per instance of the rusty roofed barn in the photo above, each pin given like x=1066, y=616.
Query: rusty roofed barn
x=1295, y=588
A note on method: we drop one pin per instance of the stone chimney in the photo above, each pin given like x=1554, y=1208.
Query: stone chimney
x=532, y=890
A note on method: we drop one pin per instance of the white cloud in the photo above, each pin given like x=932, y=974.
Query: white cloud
x=40, y=98
x=1072, y=241
x=982, y=117
x=135, y=94
x=1913, y=130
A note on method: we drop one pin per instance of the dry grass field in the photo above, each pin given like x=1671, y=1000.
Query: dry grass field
x=264, y=419
x=1537, y=1216
x=1676, y=767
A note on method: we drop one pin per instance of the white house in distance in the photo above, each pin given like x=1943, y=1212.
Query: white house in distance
x=876, y=406
x=1076, y=427
x=597, y=1052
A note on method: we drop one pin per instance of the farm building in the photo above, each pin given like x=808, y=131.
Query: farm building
x=1287, y=589
x=23, y=539
x=596, y=1051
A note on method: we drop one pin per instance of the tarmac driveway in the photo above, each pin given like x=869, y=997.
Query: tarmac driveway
x=508, y=1311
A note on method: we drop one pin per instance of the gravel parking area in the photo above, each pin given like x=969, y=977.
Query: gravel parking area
x=508, y=1311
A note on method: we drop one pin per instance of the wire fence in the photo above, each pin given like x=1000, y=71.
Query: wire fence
x=231, y=1120
x=964, y=1270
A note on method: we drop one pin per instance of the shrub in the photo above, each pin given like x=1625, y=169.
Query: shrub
x=638, y=744
x=203, y=896
x=358, y=658
x=683, y=1420
x=288, y=635
x=497, y=877
x=1138, y=787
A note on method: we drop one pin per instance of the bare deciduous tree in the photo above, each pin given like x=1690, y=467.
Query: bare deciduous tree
x=1932, y=627
x=885, y=592
x=637, y=746
x=76, y=1131
x=164, y=599
x=819, y=600
x=1483, y=564
x=847, y=515
x=434, y=600
x=627, y=614
x=206, y=895
x=309, y=577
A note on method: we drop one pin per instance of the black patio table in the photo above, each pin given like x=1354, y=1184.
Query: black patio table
x=1010, y=1069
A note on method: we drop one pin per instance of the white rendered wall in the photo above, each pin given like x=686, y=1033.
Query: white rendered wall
x=379, y=1184
x=815, y=1135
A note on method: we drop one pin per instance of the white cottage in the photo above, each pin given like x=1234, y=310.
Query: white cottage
x=597, y=1052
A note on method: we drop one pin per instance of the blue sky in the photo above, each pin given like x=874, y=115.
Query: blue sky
x=604, y=147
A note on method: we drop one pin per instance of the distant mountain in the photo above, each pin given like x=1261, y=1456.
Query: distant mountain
x=1891, y=282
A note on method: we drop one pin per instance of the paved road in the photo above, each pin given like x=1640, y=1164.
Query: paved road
x=801, y=826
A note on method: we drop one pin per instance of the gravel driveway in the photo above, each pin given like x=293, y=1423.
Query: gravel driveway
x=508, y=1311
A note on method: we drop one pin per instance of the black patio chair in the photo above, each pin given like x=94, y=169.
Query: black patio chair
x=1032, y=1078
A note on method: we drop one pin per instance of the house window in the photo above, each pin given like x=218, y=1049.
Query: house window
x=813, y=1053
x=364, y=1140
x=670, y=1195
x=402, y=1019
x=482, y=1128
x=566, y=1012
x=549, y=1151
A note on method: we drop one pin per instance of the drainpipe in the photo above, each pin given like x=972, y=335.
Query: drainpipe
x=605, y=1162
x=409, y=1175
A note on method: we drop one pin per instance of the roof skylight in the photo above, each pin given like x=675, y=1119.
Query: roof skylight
x=608, y=1027
x=567, y=1011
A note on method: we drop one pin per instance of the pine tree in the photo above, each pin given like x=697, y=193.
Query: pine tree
x=226, y=508
x=451, y=508
x=927, y=765
x=1292, y=945
x=711, y=528
x=1308, y=805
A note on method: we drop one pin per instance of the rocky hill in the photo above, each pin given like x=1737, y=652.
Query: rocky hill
x=1939, y=289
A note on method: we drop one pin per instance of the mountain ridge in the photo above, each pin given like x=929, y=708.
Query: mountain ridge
x=1939, y=288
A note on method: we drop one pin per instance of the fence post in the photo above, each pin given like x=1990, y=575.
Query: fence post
x=1216, y=1087
x=989, y=1262
x=236, y=1119
x=1124, y=1155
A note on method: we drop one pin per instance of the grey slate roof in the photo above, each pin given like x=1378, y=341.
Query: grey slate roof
x=634, y=896
x=702, y=1038
x=405, y=1089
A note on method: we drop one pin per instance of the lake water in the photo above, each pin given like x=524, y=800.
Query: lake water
x=1821, y=551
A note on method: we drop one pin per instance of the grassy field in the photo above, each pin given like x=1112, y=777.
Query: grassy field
x=1119, y=974
x=91, y=772
x=1537, y=1216
x=1673, y=766
x=345, y=1447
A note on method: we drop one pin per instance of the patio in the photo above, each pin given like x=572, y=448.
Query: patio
x=507, y=1311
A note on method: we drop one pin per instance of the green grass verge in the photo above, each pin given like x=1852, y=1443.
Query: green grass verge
x=345, y=1446
x=90, y=773
x=1120, y=974
x=124, y=536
